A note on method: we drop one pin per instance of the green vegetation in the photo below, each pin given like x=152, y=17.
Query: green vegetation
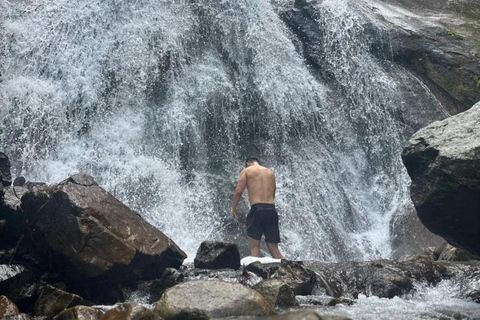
x=453, y=35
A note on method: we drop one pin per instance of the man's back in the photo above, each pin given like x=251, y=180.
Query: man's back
x=260, y=184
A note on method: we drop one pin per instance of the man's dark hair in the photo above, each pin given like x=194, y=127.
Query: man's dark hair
x=251, y=160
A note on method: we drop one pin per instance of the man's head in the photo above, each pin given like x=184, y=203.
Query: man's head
x=250, y=161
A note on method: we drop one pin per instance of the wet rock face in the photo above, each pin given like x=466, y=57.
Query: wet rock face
x=204, y=299
x=52, y=301
x=276, y=292
x=300, y=279
x=443, y=160
x=382, y=278
x=217, y=255
x=5, y=175
x=80, y=313
x=94, y=234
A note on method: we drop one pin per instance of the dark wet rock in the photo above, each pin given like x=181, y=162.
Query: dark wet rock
x=19, y=182
x=20, y=285
x=52, y=301
x=217, y=255
x=448, y=252
x=5, y=175
x=264, y=270
x=322, y=301
x=276, y=292
x=80, y=313
x=300, y=279
x=211, y=299
x=415, y=257
x=155, y=288
x=91, y=236
x=443, y=160
x=130, y=311
x=7, y=308
x=380, y=278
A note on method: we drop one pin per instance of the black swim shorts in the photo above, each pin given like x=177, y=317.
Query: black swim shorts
x=263, y=219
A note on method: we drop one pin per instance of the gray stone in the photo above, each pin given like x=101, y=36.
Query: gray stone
x=211, y=299
x=217, y=255
x=450, y=253
x=443, y=160
x=276, y=292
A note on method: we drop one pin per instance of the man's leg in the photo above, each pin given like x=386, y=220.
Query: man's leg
x=273, y=248
x=254, y=247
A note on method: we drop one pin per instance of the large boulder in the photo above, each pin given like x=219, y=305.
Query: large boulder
x=443, y=160
x=217, y=255
x=205, y=299
x=93, y=236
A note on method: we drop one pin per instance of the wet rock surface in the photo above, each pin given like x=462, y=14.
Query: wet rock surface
x=217, y=255
x=130, y=311
x=5, y=175
x=7, y=308
x=80, y=313
x=300, y=279
x=211, y=299
x=443, y=160
x=276, y=292
x=52, y=301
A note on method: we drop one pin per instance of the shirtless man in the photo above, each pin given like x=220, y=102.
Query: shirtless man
x=262, y=218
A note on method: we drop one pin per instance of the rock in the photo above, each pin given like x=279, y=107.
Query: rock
x=323, y=301
x=52, y=301
x=443, y=161
x=308, y=314
x=262, y=270
x=7, y=308
x=6, y=177
x=296, y=276
x=380, y=278
x=130, y=311
x=217, y=255
x=19, y=285
x=94, y=236
x=19, y=182
x=450, y=253
x=155, y=288
x=415, y=257
x=276, y=292
x=211, y=299
x=80, y=313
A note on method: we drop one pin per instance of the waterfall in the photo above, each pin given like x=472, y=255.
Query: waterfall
x=161, y=101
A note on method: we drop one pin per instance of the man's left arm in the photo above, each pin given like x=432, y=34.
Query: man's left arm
x=237, y=195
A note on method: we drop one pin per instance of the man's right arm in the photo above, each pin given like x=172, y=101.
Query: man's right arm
x=237, y=195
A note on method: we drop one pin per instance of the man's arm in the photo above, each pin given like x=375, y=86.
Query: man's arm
x=237, y=195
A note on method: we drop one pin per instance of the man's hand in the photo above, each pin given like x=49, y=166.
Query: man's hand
x=234, y=213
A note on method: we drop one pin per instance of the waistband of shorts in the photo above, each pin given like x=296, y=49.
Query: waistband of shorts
x=265, y=205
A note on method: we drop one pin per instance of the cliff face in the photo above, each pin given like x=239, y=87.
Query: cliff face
x=439, y=41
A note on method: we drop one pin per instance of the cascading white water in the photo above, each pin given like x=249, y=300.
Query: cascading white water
x=161, y=101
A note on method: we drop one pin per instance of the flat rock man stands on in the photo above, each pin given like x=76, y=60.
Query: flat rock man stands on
x=262, y=218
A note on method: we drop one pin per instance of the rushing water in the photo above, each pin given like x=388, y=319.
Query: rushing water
x=162, y=100
x=439, y=302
